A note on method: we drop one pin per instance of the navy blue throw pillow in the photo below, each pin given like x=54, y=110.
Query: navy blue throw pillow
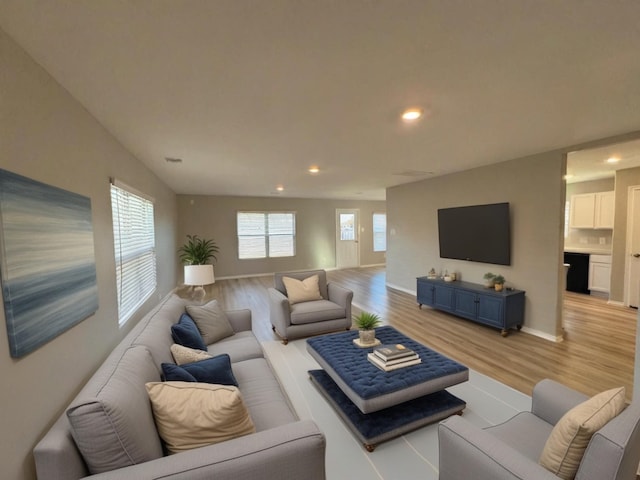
x=186, y=333
x=212, y=370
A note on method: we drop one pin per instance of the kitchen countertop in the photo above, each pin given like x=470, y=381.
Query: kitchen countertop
x=588, y=249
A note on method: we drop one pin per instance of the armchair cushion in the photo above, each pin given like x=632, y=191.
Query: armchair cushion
x=299, y=291
x=316, y=311
x=565, y=446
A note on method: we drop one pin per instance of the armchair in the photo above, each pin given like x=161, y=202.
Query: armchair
x=332, y=312
x=511, y=450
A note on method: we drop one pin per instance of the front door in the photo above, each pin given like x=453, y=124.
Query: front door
x=633, y=247
x=347, y=238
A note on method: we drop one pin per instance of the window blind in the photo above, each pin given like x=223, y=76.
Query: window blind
x=266, y=234
x=379, y=232
x=135, y=254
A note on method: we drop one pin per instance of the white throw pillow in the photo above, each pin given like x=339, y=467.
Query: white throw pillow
x=182, y=354
x=211, y=321
x=192, y=415
x=299, y=291
x=569, y=438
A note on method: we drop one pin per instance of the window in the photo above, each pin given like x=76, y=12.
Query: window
x=135, y=250
x=266, y=234
x=379, y=232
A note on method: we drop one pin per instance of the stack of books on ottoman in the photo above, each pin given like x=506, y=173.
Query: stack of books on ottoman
x=392, y=357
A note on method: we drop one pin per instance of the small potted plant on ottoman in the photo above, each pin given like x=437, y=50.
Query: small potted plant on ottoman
x=366, y=323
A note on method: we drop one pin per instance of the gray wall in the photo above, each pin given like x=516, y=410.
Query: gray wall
x=215, y=217
x=591, y=236
x=624, y=179
x=47, y=136
x=535, y=190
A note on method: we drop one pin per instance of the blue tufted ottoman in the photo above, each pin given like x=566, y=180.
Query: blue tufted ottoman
x=380, y=405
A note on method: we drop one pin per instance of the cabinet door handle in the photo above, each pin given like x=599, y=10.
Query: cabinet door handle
x=636, y=255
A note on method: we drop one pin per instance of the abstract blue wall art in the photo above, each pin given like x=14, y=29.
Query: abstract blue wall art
x=48, y=264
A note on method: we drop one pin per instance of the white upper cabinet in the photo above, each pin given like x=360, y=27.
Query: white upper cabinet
x=592, y=210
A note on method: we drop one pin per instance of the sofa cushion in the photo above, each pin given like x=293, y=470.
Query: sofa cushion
x=569, y=438
x=154, y=330
x=192, y=415
x=299, y=291
x=241, y=346
x=317, y=311
x=211, y=321
x=111, y=420
x=186, y=333
x=182, y=354
x=263, y=396
x=212, y=370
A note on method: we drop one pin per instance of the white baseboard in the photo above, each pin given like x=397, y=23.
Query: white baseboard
x=373, y=265
x=616, y=303
x=402, y=289
x=546, y=336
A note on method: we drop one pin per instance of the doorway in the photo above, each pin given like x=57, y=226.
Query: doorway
x=347, y=238
x=632, y=264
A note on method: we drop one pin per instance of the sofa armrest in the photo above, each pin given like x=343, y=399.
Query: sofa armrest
x=279, y=311
x=341, y=296
x=295, y=450
x=240, y=320
x=551, y=400
x=467, y=451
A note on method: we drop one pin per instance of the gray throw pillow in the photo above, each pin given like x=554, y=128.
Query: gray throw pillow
x=211, y=321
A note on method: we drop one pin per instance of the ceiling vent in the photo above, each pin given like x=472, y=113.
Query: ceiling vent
x=173, y=160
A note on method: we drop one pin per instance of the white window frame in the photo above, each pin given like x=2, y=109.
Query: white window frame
x=134, y=246
x=376, y=245
x=265, y=235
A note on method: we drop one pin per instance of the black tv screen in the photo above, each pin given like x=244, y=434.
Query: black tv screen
x=477, y=233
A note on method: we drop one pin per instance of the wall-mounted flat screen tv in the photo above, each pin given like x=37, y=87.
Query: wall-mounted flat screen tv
x=477, y=233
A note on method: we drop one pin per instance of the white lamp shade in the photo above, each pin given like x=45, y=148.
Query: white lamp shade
x=198, y=275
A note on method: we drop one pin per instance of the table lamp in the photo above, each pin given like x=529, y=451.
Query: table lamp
x=198, y=276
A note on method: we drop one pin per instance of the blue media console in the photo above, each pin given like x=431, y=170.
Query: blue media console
x=503, y=310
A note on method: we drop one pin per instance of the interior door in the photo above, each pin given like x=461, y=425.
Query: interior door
x=347, y=238
x=633, y=247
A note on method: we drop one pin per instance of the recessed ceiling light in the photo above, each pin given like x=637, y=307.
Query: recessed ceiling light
x=412, y=114
x=314, y=169
x=613, y=160
x=280, y=188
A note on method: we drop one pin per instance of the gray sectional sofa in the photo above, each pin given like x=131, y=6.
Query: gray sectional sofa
x=119, y=437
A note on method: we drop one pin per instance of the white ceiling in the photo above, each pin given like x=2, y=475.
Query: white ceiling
x=592, y=164
x=250, y=93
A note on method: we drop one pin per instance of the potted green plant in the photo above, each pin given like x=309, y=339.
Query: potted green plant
x=489, y=279
x=366, y=323
x=197, y=251
x=498, y=282
x=195, y=254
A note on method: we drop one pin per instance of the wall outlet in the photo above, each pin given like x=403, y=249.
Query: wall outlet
x=603, y=240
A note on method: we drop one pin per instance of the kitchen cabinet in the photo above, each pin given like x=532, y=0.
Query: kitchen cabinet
x=503, y=310
x=599, y=273
x=592, y=210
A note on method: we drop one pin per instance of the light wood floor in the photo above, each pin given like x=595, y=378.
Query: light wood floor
x=597, y=354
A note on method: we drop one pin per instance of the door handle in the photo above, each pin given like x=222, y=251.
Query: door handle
x=636, y=255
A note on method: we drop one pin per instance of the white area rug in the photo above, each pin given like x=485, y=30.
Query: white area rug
x=411, y=456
